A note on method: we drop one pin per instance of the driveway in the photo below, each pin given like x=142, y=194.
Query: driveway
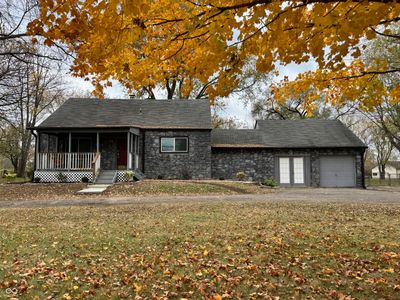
x=386, y=195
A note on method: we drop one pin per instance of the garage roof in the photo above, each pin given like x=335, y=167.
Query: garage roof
x=310, y=133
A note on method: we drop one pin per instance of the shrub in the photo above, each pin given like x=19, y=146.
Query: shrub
x=37, y=179
x=221, y=178
x=186, y=175
x=10, y=176
x=61, y=177
x=241, y=175
x=128, y=175
x=269, y=182
x=160, y=177
x=85, y=179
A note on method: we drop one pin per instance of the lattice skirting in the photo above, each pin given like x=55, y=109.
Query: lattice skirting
x=65, y=176
x=121, y=176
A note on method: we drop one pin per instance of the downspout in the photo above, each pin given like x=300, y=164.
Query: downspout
x=362, y=170
x=143, y=144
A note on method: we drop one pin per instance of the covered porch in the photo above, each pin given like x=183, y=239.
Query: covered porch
x=87, y=151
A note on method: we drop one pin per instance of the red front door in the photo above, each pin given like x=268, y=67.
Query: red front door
x=122, y=155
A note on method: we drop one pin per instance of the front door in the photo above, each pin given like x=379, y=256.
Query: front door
x=122, y=154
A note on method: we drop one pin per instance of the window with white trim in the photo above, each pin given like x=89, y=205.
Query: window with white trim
x=174, y=144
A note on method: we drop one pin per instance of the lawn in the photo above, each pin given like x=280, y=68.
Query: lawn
x=382, y=182
x=202, y=250
x=54, y=191
x=14, y=180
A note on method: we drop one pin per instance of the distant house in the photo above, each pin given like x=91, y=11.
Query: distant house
x=173, y=139
x=392, y=170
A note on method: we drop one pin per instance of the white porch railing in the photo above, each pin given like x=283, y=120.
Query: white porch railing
x=96, y=165
x=66, y=161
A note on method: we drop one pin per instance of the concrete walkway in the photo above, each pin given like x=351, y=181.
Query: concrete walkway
x=288, y=194
x=94, y=189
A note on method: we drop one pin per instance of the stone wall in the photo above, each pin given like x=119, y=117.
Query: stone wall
x=259, y=164
x=196, y=163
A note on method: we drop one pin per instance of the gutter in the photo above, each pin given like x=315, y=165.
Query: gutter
x=143, y=149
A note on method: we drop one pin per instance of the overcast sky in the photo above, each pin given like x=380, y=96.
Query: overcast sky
x=235, y=107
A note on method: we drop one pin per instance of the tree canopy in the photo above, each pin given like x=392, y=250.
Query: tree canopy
x=141, y=43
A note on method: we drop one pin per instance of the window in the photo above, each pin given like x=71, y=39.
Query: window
x=375, y=174
x=174, y=144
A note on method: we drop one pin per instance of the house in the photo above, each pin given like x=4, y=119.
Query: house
x=392, y=170
x=168, y=139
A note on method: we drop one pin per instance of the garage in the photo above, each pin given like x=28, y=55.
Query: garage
x=337, y=171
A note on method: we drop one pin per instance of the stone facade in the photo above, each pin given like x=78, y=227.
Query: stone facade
x=195, y=164
x=259, y=164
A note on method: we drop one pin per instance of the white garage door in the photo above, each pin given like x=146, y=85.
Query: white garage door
x=337, y=171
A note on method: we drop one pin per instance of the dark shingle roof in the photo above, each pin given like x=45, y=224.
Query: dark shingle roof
x=90, y=113
x=237, y=138
x=290, y=134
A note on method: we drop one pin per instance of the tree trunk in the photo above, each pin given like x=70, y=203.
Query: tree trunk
x=21, y=171
x=23, y=159
x=382, y=172
x=14, y=162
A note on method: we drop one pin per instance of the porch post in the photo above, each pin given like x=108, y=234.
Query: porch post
x=127, y=151
x=97, y=143
x=37, y=149
x=69, y=151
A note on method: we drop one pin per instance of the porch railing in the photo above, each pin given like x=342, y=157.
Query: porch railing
x=66, y=161
x=96, y=165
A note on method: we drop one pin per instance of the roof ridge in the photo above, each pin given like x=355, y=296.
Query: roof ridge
x=137, y=99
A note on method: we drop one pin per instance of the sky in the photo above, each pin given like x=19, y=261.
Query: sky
x=235, y=107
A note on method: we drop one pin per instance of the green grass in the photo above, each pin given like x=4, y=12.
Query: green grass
x=202, y=250
x=382, y=182
x=14, y=180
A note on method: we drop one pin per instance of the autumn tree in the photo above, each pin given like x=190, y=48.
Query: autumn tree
x=370, y=84
x=386, y=114
x=141, y=43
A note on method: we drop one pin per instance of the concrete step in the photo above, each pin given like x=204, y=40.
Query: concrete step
x=139, y=175
x=105, y=177
x=104, y=181
x=94, y=189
